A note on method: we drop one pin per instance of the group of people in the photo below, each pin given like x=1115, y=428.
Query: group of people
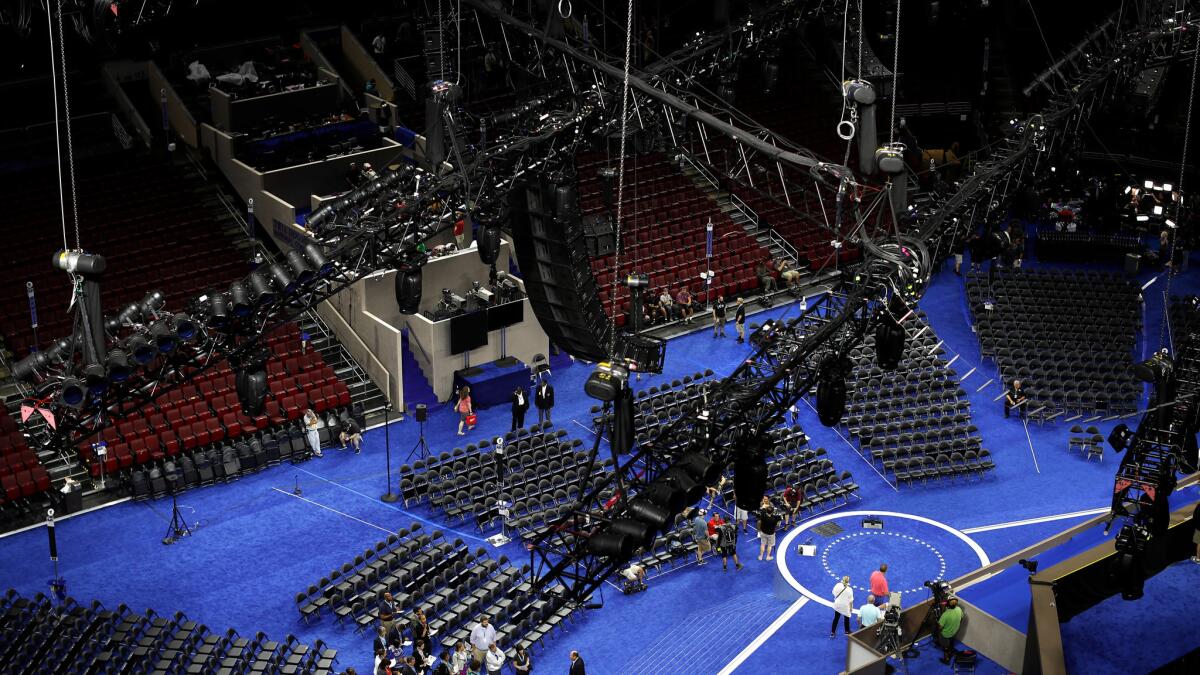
x=349, y=435
x=543, y=400
x=479, y=655
x=716, y=533
x=766, y=271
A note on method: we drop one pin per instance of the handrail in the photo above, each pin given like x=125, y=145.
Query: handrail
x=743, y=207
x=320, y=324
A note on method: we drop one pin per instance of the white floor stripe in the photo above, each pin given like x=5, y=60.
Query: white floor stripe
x=1034, y=521
x=1030, y=440
x=393, y=507
x=59, y=519
x=318, y=504
x=764, y=636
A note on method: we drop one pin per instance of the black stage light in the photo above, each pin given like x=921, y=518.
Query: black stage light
x=831, y=391
x=1127, y=573
x=261, y=288
x=185, y=328
x=488, y=242
x=641, y=532
x=151, y=303
x=242, y=306
x=118, y=365
x=678, y=478
x=140, y=348
x=251, y=385
x=129, y=314
x=655, y=515
x=749, y=480
x=665, y=495
x=606, y=382
x=1120, y=437
x=1155, y=369
x=408, y=289
x=318, y=260
x=889, y=342
x=164, y=337
x=218, y=311
x=72, y=392
x=304, y=273
x=95, y=377
x=283, y=280
x=700, y=467
x=612, y=545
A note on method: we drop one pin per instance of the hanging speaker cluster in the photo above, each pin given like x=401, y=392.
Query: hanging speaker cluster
x=487, y=241
x=251, y=384
x=831, y=390
x=749, y=479
x=889, y=341
x=408, y=288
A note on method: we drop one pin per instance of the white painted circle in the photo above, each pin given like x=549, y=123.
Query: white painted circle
x=883, y=533
x=785, y=546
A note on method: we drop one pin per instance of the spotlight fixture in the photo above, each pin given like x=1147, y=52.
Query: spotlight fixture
x=118, y=366
x=185, y=328
x=241, y=300
x=1149, y=185
x=283, y=280
x=317, y=258
x=95, y=377
x=261, y=288
x=164, y=337
x=218, y=311
x=72, y=392
x=295, y=260
x=1167, y=187
x=140, y=348
x=151, y=303
x=1158, y=210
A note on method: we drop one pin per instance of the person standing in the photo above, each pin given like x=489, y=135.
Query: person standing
x=387, y=613
x=727, y=545
x=1014, y=398
x=311, y=425
x=879, y=584
x=543, y=398
x=948, y=625
x=464, y=408
x=700, y=536
x=483, y=635
x=768, y=522
x=718, y=314
x=460, y=660
x=793, y=499
x=741, y=517
x=493, y=661
x=843, y=602
x=521, y=662
x=869, y=614
x=419, y=628
x=577, y=667
x=520, y=403
x=739, y=320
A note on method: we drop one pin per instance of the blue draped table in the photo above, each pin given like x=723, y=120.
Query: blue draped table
x=492, y=384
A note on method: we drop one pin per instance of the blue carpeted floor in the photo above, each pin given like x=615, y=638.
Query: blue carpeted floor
x=258, y=544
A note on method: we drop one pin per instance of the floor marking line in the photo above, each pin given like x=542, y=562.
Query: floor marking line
x=1034, y=521
x=1030, y=441
x=440, y=526
x=328, y=508
x=860, y=455
x=764, y=636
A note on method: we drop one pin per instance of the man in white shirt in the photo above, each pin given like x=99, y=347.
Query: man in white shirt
x=482, y=637
x=494, y=660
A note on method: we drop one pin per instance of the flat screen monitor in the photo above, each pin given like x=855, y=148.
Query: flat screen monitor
x=507, y=314
x=468, y=331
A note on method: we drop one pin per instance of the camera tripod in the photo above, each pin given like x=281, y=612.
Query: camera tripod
x=178, y=527
x=421, y=449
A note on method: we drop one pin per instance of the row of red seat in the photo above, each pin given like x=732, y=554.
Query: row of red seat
x=21, y=472
x=207, y=410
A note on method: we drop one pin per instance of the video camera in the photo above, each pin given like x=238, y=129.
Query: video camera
x=941, y=590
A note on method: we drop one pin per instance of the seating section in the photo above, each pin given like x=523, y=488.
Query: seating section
x=1185, y=318
x=201, y=424
x=813, y=243
x=37, y=635
x=664, y=218
x=22, y=475
x=914, y=419
x=168, y=238
x=539, y=472
x=452, y=585
x=1069, y=336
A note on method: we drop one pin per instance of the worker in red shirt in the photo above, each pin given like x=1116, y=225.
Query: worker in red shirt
x=879, y=585
x=713, y=523
x=792, y=498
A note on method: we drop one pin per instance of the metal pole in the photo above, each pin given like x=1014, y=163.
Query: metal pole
x=32, y=314
x=388, y=496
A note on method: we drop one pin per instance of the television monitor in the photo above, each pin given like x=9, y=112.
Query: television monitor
x=468, y=331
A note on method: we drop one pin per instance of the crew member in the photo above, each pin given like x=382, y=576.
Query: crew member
x=543, y=398
x=520, y=403
x=718, y=312
x=948, y=625
x=739, y=320
x=1014, y=398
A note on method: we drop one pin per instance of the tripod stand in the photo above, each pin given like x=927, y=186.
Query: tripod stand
x=178, y=527
x=421, y=449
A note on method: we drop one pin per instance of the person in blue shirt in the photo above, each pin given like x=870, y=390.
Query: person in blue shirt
x=868, y=614
x=700, y=535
